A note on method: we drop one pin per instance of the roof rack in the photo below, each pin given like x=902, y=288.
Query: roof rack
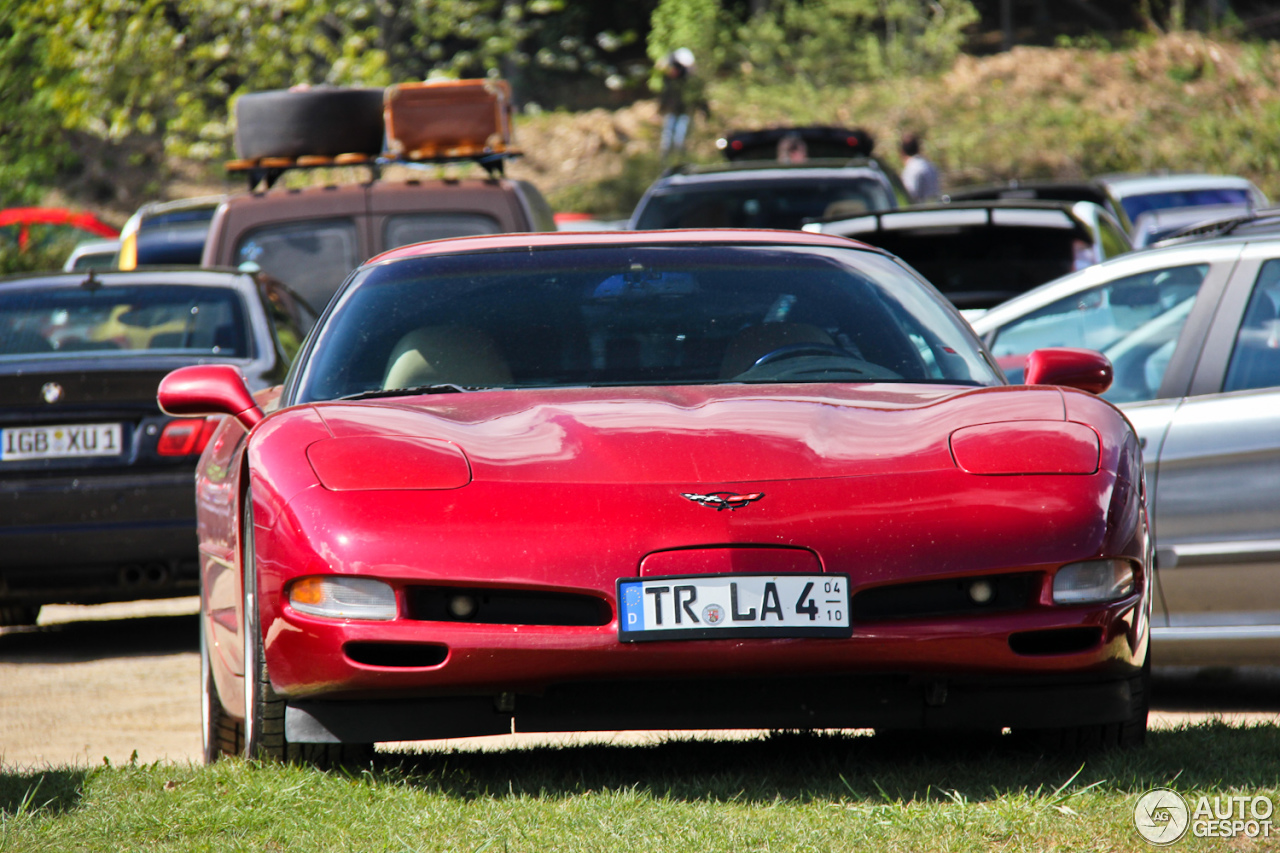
x=266, y=171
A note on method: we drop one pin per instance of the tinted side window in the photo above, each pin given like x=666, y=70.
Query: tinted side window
x=312, y=258
x=405, y=228
x=1134, y=321
x=1255, y=359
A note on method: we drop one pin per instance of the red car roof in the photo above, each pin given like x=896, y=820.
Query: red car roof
x=615, y=238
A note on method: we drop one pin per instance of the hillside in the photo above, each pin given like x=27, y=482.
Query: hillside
x=1180, y=102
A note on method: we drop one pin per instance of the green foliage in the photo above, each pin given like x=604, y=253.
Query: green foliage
x=838, y=42
x=40, y=258
x=684, y=23
x=167, y=68
x=613, y=197
x=34, y=149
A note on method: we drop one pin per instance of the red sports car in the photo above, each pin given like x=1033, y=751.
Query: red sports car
x=679, y=480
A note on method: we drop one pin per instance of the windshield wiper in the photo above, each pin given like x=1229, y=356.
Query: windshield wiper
x=439, y=388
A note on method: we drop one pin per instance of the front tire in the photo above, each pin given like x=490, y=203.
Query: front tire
x=1126, y=734
x=264, y=735
x=222, y=735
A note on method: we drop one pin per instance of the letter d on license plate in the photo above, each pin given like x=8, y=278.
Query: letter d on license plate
x=697, y=607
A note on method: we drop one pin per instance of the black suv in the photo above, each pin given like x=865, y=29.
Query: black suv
x=757, y=194
x=835, y=176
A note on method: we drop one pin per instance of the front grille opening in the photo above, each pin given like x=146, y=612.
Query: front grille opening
x=1055, y=641
x=947, y=598
x=403, y=655
x=506, y=607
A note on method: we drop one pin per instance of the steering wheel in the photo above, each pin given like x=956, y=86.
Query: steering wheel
x=800, y=350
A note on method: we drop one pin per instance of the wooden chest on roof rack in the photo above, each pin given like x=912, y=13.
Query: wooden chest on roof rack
x=448, y=118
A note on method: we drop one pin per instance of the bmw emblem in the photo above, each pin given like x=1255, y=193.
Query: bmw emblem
x=51, y=392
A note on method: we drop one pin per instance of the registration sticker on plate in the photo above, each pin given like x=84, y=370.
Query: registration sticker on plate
x=722, y=606
x=62, y=441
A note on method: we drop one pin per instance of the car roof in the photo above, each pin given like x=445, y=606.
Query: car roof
x=147, y=276
x=159, y=208
x=604, y=239
x=751, y=171
x=1005, y=189
x=1130, y=263
x=1125, y=185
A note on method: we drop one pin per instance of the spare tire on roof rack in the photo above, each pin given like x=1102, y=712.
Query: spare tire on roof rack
x=309, y=122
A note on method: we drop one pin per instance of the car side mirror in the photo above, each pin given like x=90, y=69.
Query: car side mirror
x=208, y=389
x=1085, y=369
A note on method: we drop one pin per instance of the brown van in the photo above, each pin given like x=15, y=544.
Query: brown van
x=312, y=238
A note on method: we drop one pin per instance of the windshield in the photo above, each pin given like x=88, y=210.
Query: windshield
x=1136, y=205
x=632, y=315
x=1135, y=321
x=763, y=204
x=113, y=321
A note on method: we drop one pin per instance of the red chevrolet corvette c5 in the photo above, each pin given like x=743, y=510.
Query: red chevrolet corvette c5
x=678, y=480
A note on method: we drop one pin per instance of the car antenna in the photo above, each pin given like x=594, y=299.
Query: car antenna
x=91, y=282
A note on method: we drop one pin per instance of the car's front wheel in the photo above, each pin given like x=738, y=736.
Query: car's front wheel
x=223, y=735
x=264, y=730
x=1128, y=733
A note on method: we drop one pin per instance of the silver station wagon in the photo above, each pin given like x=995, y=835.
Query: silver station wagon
x=1193, y=331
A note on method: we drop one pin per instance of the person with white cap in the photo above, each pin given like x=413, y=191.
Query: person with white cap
x=676, y=100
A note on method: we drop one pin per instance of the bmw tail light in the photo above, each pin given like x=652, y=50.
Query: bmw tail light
x=343, y=598
x=1093, y=581
x=186, y=436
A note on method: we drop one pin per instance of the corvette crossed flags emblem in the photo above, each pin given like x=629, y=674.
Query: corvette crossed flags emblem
x=723, y=500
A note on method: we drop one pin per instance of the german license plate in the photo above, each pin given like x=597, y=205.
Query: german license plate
x=62, y=441
x=724, y=606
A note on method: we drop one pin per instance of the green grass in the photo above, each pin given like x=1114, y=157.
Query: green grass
x=784, y=792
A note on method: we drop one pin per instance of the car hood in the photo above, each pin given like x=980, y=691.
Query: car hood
x=691, y=434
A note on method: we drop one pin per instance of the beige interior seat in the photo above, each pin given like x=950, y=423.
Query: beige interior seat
x=755, y=341
x=844, y=209
x=439, y=354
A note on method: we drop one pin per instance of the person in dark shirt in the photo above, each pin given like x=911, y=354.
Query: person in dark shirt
x=677, y=101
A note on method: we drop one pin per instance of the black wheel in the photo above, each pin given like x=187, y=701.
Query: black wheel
x=264, y=735
x=1128, y=733
x=323, y=121
x=18, y=614
x=222, y=734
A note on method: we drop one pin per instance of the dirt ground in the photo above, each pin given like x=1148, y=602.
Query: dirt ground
x=90, y=683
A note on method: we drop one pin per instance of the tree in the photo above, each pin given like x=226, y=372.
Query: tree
x=30, y=127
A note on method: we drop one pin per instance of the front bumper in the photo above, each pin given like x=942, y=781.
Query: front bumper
x=865, y=701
